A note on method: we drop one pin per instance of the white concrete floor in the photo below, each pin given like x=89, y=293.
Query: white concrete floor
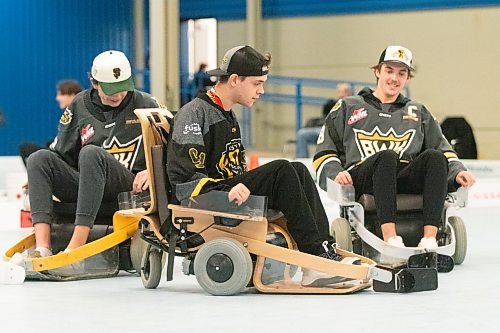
x=467, y=300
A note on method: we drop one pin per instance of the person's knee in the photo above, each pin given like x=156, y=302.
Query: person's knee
x=387, y=158
x=91, y=153
x=435, y=157
x=39, y=158
x=299, y=167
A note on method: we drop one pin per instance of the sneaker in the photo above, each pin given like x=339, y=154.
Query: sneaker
x=74, y=269
x=39, y=252
x=396, y=241
x=314, y=278
x=428, y=243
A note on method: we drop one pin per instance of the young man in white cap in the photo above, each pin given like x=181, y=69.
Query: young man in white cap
x=206, y=153
x=97, y=153
x=384, y=143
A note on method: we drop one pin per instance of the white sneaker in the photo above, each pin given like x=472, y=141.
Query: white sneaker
x=428, y=243
x=396, y=241
x=40, y=252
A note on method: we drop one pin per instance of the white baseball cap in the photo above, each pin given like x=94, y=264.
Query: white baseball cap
x=396, y=53
x=112, y=70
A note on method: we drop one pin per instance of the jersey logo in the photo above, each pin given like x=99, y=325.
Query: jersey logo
x=321, y=137
x=232, y=161
x=337, y=105
x=369, y=143
x=197, y=158
x=193, y=128
x=357, y=115
x=411, y=113
x=66, y=117
x=125, y=153
x=86, y=134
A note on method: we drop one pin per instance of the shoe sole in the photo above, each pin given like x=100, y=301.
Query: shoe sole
x=324, y=282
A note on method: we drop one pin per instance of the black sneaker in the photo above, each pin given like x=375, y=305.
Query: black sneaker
x=314, y=278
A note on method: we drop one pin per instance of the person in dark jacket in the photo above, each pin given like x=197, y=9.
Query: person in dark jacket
x=206, y=153
x=384, y=143
x=97, y=153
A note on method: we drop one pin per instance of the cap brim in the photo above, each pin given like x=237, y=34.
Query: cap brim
x=116, y=87
x=397, y=62
x=217, y=72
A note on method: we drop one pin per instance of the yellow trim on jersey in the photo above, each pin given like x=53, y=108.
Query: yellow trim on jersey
x=202, y=183
x=319, y=161
x=378, y=137
x=449, y=155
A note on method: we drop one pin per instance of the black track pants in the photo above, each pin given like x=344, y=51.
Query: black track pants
x=383, y=176
x=290, y=189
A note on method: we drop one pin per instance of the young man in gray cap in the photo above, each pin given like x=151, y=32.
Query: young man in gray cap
x=97, y=153
x=384, y=143
x=206, y=153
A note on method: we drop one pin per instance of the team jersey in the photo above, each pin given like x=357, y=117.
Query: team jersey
x=359, y=126
x=87, y=122
x=205, y=147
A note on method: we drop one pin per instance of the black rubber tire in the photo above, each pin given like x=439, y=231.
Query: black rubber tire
x=241, y=267
x=137, y=249
x=151, y=267
x=341, y=231
x=458, y=226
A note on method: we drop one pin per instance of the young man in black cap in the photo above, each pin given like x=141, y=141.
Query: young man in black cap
x=384, y=143
x=97, y=153
x=206, y=153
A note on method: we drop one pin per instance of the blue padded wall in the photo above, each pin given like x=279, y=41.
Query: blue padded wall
x=236, y=9
x=43, y=42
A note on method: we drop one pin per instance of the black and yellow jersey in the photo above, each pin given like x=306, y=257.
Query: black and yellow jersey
x=205, y=147
x=359, y=126
x=87, y=122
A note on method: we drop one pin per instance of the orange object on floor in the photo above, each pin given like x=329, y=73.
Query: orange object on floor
x=26, y=219
x=253, y=161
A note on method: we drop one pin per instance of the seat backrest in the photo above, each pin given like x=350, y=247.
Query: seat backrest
x=155, y=125
x=461, y=137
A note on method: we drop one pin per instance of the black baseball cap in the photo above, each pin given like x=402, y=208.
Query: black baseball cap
x=243, y=61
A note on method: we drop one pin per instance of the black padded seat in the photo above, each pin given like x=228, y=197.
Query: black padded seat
x=405, y=202
x=65, y=212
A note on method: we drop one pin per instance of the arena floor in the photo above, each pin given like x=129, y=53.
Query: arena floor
x=467, y=300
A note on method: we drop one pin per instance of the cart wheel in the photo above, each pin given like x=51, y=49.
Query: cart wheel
x=223, y=267
x=458, y=226
x=151, y=268
x=137, y=249
x=341, y=230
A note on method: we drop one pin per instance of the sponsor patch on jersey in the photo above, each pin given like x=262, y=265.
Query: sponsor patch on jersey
x=86, y=134
x=384, y=115
x=197, y=158
x=357, y=115
x=232, y=161
x=66, y=117
x=193, y=129
x=125, y=153
x=369, y=143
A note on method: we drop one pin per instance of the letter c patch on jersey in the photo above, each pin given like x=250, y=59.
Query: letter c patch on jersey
x=197, y=158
